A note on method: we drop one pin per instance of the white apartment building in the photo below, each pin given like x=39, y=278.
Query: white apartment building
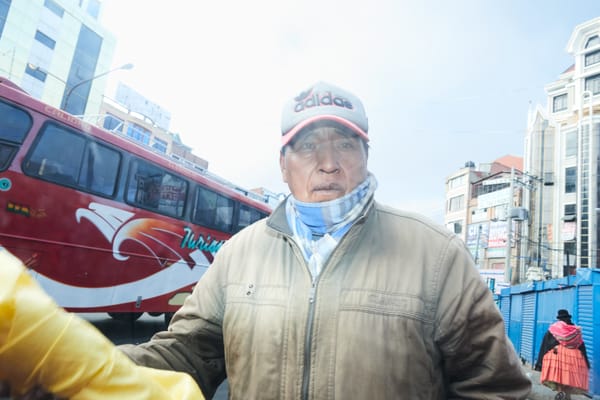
x=54, y=49
x=561, y=148
x=58, y=52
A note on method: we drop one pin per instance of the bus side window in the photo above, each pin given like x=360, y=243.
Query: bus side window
x=56, y=155
x=213, y=210
x=152, y=187
x=100, y=169
x=248, y=215
x=14, y=125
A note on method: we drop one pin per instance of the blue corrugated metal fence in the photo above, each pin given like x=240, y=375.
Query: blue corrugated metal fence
x=529, y=309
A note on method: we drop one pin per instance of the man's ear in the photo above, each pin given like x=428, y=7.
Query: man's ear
x=282, y=166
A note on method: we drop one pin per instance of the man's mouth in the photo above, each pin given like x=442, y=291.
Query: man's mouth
x=327, y=187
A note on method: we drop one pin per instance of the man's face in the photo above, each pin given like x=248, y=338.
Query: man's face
x=324, y=163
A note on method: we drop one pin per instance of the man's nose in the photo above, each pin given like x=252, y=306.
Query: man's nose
x=328, y=157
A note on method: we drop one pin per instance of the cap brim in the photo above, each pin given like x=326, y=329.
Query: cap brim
x=285, y=139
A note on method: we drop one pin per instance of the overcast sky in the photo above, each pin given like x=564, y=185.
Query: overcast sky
x=443, y=82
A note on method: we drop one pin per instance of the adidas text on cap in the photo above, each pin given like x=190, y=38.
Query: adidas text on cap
x=323, y=102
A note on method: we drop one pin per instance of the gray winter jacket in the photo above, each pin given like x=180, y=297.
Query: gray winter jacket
x=398, y=312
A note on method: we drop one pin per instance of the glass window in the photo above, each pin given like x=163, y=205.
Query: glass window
x=570, y=180
x=593, y=84
x=571, y=144
x=65, y=157
x=14, y=125
x=139, y=133
x=570, y=209
x=559, y=103
x=56, y=156
x=593, y=41
x=100, y=169
x=570, y=253
x=112, y=123
x=4, y=7
x=457, y=182
x=93, y=8
x=592, y=58
x=154, y=188
x=248, y=215
x=55, y=8
x=213, y=210
x=36, y=73
x=456, y=203
x=45, y=39
x=82, y=71
x=159, y=145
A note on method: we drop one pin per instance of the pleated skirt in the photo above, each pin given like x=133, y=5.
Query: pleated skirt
x=564, y=368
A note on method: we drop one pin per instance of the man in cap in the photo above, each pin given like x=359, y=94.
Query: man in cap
x=337, y=296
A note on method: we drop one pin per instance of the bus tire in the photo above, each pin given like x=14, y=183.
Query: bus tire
x=125, y=317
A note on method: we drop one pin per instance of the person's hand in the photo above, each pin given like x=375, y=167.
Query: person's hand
x=36, y=393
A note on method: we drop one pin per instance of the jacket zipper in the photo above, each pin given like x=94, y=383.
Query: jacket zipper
x=308, y=340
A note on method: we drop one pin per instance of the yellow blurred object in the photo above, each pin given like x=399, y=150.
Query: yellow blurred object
x=41, y=344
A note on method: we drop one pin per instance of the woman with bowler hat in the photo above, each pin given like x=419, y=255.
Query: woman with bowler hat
x=562, y=359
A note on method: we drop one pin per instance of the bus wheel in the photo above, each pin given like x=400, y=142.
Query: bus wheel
x=125, y=317
x=168, y=316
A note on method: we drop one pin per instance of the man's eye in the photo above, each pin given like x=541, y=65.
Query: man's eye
x=307, y=146
x=345, y=144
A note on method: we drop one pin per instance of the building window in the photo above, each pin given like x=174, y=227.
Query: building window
x=112, y=123
x=457, y=182
x=36, y=73
x=139, y=133
x=570, y=209
x=559, y=103
x=592, y=42
x=82, y=71
x=159, y=145
x=570, y=144
x=4, y=7
x=93, y=8
x=570, y=253
x=455, y=227
x=570, y=179
x=55, y=8
x=45, y=40
x=456, y=203
x=593, y=84
x=592, y=58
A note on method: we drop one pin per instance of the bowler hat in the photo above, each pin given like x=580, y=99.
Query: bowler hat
x=563, y=314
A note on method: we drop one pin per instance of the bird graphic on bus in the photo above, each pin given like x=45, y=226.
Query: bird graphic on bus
x=118, y=226
x=185, y=266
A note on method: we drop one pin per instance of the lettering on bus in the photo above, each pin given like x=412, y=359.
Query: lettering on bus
x=204, y=244
x=61, y=115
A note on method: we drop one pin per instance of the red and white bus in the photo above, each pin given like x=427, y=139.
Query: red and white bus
x=103, y=223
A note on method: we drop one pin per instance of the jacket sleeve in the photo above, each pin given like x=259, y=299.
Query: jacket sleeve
x=478, y=359
x=193, y=342
x=42, y=345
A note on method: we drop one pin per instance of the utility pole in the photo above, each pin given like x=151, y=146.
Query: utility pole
x=541, y=198
x=507, y=269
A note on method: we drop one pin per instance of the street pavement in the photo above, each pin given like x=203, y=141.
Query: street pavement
x=541, y=392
